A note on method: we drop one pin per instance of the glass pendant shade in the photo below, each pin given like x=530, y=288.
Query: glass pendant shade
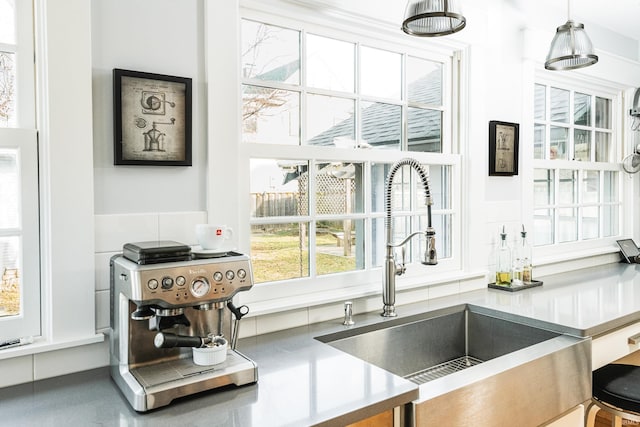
x=571, y=48
x=430, y=18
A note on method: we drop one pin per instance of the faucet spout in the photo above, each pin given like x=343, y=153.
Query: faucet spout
x=391, y=268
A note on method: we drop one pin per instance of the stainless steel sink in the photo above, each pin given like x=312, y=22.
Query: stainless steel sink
x=476, y=366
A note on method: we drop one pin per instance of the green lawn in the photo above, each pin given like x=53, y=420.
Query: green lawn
x=279, y=256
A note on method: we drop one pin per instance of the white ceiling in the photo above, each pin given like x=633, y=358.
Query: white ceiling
x=620, y=16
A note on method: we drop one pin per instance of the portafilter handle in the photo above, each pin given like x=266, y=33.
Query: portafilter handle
x=239, y=313
x=168, y=340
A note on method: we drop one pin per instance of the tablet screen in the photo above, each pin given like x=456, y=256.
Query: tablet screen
x=629, y=249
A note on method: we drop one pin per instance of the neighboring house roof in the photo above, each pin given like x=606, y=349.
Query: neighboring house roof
x=381, y=123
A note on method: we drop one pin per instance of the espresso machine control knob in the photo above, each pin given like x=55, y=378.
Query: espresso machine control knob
x=242, y=273
x=167, y=283
x=217, y=276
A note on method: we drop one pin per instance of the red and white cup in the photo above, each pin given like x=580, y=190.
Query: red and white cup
x=212, y=237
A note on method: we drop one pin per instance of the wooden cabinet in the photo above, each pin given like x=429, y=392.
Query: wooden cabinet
x=573, y=418
x=383, y=419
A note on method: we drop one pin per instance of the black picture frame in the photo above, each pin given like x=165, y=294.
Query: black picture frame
x=629, y=250
x=503, y=148
x=152, y=119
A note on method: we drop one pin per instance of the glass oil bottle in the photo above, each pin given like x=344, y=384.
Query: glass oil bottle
x=524, y=253
x=503, y=261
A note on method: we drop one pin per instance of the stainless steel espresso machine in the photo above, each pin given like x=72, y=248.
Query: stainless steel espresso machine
x=173, y=323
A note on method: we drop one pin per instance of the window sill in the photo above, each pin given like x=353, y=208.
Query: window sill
x=40, y=345
x=415, y=281
x=574, y=255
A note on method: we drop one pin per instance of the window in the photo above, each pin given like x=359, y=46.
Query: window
x=325, y=115
x=577, y=179
x=19, y=247
x=7, y=63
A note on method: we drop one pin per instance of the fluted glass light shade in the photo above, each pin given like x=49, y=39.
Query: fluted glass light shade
x=430, y=18
x=571, y=47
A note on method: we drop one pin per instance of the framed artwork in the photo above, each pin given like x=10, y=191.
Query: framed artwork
x=503, y=148
x=152, y=119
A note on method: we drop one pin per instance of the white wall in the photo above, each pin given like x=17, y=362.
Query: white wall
x=162, y=37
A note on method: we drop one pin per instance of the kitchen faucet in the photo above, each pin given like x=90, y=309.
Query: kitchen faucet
x=391, y=268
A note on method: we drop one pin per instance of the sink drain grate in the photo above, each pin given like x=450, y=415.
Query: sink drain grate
x=443, y=369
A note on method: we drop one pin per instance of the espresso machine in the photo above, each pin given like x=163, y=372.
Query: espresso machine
x=173, y=323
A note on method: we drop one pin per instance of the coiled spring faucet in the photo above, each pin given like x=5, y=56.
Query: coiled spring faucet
x=391, y=268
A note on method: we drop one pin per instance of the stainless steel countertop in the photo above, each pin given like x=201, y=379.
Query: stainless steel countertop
x=305, y=382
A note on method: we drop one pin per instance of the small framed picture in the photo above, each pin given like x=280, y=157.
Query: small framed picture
x=503, y=148
x=152, y=119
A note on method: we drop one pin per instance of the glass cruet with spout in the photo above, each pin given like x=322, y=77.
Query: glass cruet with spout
x=503, y=261
x=525, y=256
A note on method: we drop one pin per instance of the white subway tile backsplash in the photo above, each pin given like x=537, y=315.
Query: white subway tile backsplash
x=444, y=290
x=16, y=370
x=102, y=270
x=284, y=320
x=473, y=284
x=409, y=296
x=180, y=226
x=368, y=304
x=102, y=309
x=248, y=327
x=326, y=312
x=113, y=231
x=70, y=360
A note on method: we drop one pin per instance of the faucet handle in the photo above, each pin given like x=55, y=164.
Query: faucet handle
x=400, y=268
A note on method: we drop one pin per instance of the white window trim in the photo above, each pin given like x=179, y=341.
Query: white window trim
x=225, y=130
x=24, y=139
x=560, y=252
x=65, y=131
x=27, y=323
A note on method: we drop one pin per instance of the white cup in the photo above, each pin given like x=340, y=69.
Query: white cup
x=212, y=354
x=212, y=236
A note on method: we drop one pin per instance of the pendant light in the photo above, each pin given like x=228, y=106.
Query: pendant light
x=571, y=47
x=430, y=18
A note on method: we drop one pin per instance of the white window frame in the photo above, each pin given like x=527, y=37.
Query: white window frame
x=24, y=52
x=23, y=139
x=24, y=143
x=277, y=296
x=595, y=87
x=67, y=234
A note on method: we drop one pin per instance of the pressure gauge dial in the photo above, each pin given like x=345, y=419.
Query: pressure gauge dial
x=200, y=287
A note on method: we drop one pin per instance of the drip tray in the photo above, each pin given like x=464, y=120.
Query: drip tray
x=443, y=369
x=184, y=370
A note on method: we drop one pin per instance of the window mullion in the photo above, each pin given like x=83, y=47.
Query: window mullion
x=312, y=189
x=556, y=210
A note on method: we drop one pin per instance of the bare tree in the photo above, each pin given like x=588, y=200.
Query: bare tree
x=7, y=86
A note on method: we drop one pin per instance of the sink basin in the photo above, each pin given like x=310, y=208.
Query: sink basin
x=470, y=361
